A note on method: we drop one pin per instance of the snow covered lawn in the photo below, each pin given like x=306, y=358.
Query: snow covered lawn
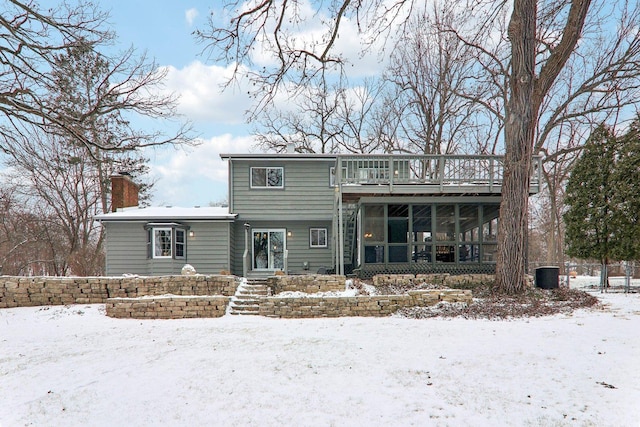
x=72, y=366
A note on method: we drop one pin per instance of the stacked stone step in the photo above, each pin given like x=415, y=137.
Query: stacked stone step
x=247, y=297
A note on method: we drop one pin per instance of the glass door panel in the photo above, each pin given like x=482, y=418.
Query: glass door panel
x=268, y=249
x=276, y=250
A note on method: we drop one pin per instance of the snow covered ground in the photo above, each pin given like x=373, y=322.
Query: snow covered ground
x=72, y=366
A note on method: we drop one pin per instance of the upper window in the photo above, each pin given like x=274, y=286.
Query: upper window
x=318, y=237
x=268, y=177
x=166, y=242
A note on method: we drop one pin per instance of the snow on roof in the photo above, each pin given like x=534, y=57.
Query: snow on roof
x=168, y=213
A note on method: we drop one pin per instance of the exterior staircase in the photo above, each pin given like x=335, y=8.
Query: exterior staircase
x=350, y=238
x=247, y=297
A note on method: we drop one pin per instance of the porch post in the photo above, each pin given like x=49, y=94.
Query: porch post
x=245, y=256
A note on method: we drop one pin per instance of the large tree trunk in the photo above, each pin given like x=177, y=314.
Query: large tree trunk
x=525, y=97
x=519, y=136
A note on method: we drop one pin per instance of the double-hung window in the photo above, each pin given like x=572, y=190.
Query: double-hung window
x=166, y=241
x=267, y=177
x=180, y=243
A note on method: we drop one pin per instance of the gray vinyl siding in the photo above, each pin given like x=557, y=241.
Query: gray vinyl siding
x=208, y=250
x=232, y=249
x=306, y=194
x=297, y=245
x=237, y=248
x=126, y=249
x=300, y=251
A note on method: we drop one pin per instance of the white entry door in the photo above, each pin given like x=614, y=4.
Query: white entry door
x=268, y=249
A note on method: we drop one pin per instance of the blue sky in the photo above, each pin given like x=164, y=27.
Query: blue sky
x=191, y=176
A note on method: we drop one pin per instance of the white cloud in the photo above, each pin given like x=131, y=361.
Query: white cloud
x=190, y=15
x=201, y=96
x=195, y=175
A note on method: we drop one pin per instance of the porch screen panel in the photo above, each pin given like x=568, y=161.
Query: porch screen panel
x=490, y=215
x=422, y=233
x=374, y=228
x=469, y=237
x=446, y=233
x=398, y=232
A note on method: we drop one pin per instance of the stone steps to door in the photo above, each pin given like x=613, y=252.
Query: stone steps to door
x=247, y=297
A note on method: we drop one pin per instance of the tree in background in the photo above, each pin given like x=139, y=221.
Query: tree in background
x=29, y=243
x=31, y=40
x=626, y=198
x=590, y=196
x=66, y=125
x=436, y=109
x=323, y=118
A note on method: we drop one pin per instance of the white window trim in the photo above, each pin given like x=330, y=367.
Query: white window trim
x=266, y=186
x=153, y=242
x=326, y=237
x=183, y=243
x=172, y=228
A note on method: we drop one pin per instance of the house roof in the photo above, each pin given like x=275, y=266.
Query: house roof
x=168, y=213
x=279, y=156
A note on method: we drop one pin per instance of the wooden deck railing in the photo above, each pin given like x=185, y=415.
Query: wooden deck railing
x=441, y=170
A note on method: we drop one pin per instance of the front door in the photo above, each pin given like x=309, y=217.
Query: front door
x=268, y=249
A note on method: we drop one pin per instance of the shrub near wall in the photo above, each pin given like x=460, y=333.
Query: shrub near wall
x=36, y=291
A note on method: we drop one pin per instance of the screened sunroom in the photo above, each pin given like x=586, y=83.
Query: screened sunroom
x=419, y=213
x=452, y=236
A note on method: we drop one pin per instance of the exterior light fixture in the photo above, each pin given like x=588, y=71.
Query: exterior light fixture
x=289, y=234
x=192, y=233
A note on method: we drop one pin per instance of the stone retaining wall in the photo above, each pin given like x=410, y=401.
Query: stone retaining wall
x=36, y=291
x=167, y=307
x=368, y=306
x=307, y=283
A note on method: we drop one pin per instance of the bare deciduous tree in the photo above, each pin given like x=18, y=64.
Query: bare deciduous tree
x=27, y=243
x=65, y=124
x=437, y=110
x=60, y=186
x=323, y=118
x=31, y=40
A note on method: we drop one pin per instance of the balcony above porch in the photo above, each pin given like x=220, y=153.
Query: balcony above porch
x=426, y=174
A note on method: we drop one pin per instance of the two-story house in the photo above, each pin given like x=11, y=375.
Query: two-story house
x=324, y=212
